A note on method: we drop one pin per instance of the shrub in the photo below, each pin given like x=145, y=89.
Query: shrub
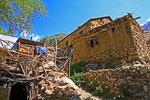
x=95, y=89
x=124, y=94
x=77, y=79
x=77, y=67
x=98, y=90
x=109, y=64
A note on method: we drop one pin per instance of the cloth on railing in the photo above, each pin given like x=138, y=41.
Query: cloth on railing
x=40, y=49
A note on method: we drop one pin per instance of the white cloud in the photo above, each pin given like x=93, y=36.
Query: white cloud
x=148, y=19
x=35, y=37
x=24, y=33
x=28, y=36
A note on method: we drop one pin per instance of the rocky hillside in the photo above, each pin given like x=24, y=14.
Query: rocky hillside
x=146, y=26
x=50, y=40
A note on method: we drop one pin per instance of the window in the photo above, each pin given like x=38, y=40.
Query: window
x=66, y=43
x=113, y=29
x=7, y=61
x=104, y=29
x=94, y=42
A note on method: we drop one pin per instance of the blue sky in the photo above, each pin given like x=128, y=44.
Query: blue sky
x=64, y=16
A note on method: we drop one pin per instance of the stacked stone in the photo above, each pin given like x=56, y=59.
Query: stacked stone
x=136, y=78
x=56, y=84
x=128, y=55
x=140, y=43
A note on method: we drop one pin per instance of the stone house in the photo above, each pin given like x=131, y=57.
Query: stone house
x=102, y=39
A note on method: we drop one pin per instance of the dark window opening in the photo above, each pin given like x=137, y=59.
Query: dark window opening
x=94, y=42
x=113, y=29
x=66, y=43
x=7, y=61
x=18, y=92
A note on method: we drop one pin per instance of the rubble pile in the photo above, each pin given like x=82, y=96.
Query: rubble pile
x=56, y=85
x=41, y=76
x=136, y=78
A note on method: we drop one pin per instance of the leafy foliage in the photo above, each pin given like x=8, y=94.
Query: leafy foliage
x=3, y=31
x=95, y=89
x=51, y=41
x=109, y=64
x=77, y=67
x=77, y=79
x=124, y=94
x=18, y=15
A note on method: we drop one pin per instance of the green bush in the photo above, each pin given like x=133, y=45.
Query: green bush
x=124, y=94
x=77, y=67
x=77, y=79
x=95, y=89
x=109, y=64
x=98, y=91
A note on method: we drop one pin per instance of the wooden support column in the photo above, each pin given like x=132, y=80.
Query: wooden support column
x=55, y=52
x=18, y=49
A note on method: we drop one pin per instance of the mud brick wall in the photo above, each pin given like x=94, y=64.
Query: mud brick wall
x=117, y=56
x=136, y=78
x=122, y=39
x=140, y=43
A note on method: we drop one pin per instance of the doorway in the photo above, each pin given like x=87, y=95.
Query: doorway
x=18, y=92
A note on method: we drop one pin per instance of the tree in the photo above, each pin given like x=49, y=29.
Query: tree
x=18, y=15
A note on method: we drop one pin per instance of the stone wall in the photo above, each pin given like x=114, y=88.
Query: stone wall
x=136, y=78
x=128, y=55
x=140, y=43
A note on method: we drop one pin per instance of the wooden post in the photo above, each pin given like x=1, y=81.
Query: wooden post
x=69, y=67
x=32, y=51
x=18, y=48
x=55, y=52
x=70, y=57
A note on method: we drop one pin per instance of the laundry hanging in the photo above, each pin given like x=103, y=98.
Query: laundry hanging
x=40, y=50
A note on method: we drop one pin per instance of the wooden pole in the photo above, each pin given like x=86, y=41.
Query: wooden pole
x=18, y=49
x=55, y=52
x=69, y=67
x=70, y=57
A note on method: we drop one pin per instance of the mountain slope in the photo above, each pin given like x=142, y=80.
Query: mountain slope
x=51, y=40
x=146, y=26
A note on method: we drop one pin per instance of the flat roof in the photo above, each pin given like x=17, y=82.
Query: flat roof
x=91, y=19
x=8, y=38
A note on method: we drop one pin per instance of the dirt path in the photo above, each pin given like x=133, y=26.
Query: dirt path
x=85, y=95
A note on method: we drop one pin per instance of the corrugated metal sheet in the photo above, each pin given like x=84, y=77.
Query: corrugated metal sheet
x=9, y=38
